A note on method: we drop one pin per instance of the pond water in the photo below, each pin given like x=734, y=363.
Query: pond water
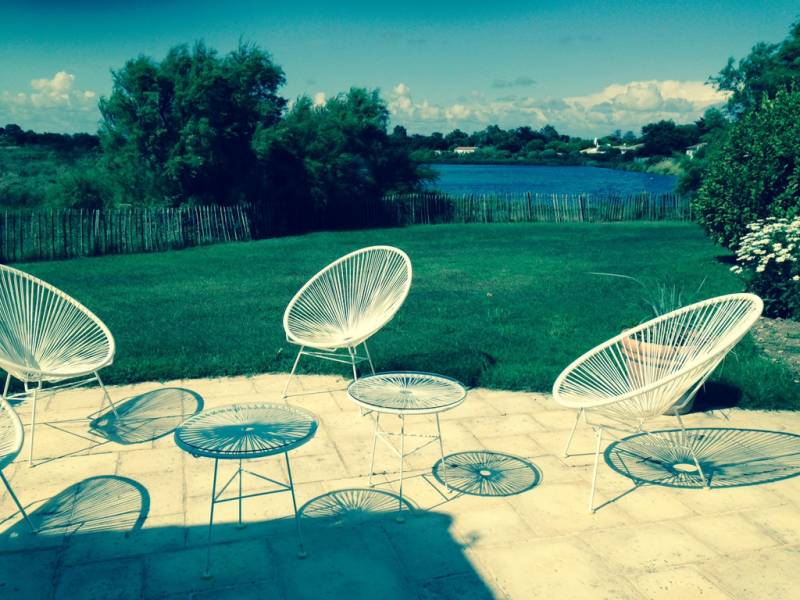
x=486, y=179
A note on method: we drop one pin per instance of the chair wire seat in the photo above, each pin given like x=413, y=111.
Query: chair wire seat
x=345, y=304
x=251, y=430
x=655, y=367
x=45, y=335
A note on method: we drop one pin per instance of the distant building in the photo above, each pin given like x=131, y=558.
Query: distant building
x=593, y=149
x=692, y=150
x=465, y=149
x=626, y=148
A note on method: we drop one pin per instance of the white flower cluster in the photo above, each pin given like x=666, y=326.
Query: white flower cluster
x=772, y=240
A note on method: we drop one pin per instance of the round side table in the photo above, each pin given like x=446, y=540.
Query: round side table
x=405, y=394
x=241, y=432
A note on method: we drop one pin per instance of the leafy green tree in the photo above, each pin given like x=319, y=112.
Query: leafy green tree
x=181, y=129
x=665, y=137
x=756, y=173
x=328, y=159
x=762, y=73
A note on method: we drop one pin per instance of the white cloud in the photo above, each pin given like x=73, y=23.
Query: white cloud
x=53, y=104
x=617, y=106
x=319, y=99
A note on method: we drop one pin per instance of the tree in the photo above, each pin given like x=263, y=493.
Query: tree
x=665, y=137
x=329, y=159
x=180, y=130
x=762, y=73
x=756, y=173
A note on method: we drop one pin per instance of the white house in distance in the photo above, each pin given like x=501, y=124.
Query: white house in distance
x=593, y=149
x=692, y=150
x=465, y=149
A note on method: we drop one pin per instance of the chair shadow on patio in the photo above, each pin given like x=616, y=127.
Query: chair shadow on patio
x=729, y=457
x=147, y=416
x=106, y=503
x=355, y=547
x=485, y=473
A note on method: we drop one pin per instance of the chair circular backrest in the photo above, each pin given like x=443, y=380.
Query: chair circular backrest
x=644, y=370
x=350, y=299
x=11, y=434
x=45, y=334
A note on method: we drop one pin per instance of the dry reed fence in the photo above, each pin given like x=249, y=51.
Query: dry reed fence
x=54, y=234
x=434, y=207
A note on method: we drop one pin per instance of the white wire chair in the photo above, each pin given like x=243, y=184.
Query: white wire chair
x=47, y=337
x=345, y=304
x=11, y=437
x=652, y=368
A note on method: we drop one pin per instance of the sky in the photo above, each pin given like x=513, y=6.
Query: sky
x=588, y=68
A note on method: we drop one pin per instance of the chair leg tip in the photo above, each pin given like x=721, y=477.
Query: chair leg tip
x=206, y=575
x=302, y=554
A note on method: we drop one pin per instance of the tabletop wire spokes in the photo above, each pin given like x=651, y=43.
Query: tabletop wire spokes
x=407, y=392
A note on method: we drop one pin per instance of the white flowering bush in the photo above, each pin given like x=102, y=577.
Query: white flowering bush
x=768, y=259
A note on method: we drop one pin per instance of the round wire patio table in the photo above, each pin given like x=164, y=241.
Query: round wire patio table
x=242, y=432
x=406, y=393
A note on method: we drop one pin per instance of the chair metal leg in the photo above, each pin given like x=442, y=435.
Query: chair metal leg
x=441, y=451
x=301, y=552
x=294, y=368
x=207, y=572
x=369, y=358
x=106, y=395
x=353, y=362
x=400, y=518
x=17, y=502
x=685, y=439
x=599, y=431
x=374, y=444
x=572, y=433
x=33, y=423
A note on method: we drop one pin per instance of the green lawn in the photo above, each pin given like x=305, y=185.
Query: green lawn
x=504, y=306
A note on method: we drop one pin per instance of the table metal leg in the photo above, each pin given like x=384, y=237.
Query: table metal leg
x=207, y=573
x=441, y=451
x=374, y=443
x=301, y=553
x=241, y=524
x=400, y=517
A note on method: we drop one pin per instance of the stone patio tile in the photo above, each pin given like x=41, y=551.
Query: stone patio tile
x=163, y=460
x=343, y=562
x=467, y=586
x=644, y=503
x=481, y=521
x=648, y=547
x=730, y=533
x=225, y=386
x=553, y=569
x=683, y=582
x=719, y=500
x=27, y=574
x=511, y=403
x=768, y=574
x=475, y=405
x=158, y=534
x=492, y=427
x=241, y=563
x=165, y=490
x=563, y=509
x=112, y=580
x=781, y=523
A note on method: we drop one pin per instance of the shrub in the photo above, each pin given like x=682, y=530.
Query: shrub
x=756, y=173
x=768, y=259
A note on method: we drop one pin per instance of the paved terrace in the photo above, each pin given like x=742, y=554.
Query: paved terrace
x=125, y=515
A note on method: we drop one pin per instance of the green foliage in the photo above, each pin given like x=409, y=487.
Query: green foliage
x=665, y=137
x=768, y=69
x=180, y=130
x=333, y=159
x=756, y=172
